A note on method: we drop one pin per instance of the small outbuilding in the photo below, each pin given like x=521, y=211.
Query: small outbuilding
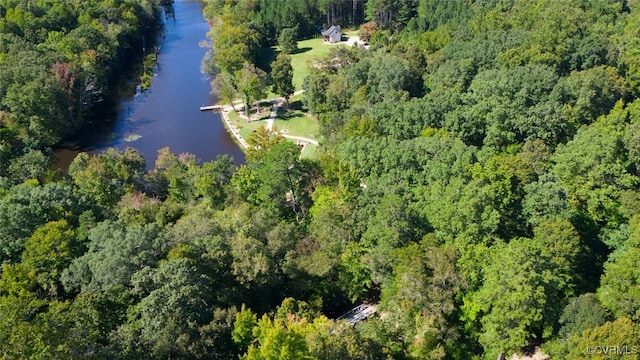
x=332, y=34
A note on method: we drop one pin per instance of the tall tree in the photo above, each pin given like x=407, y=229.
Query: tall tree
x=282, y=76
x=594, y=169
x=116, y=251
x=224, y=87
x=617, y=337
x=288, y=40
x=620, y=289
x=234, y=44
x=525, y=283
x=252, y=83
x=108, y=176
x=26, y=207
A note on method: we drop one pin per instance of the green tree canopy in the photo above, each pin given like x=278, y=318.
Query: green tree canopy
x=288, y=40
x=282, y=76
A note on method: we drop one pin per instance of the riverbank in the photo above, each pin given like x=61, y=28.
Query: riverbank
x=232, y=128
x=291, y=124
x=168, y=113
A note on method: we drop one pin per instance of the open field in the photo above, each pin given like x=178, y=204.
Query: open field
x=295, y=123
x=311, y=50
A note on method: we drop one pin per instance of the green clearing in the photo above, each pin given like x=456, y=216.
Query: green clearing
x=296, y=122
x=298, y=126
x=309, y=152
x=308, y=52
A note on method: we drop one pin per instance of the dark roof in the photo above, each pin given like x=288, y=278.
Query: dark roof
x=332, y=30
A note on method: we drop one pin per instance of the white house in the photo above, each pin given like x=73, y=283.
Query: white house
x=332, y=34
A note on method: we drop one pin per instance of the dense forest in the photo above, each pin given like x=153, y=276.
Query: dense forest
x=59, y=61
x=478, y=181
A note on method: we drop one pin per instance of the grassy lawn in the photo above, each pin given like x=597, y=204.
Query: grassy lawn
x=309, y=152
x=298, y=124
x=246, y=127
x=308, y=52
x=296, y=121
x=295, y=98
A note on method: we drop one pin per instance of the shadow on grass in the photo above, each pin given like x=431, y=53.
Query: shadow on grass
x=288, y=116
x=301, y=50
x=291, y=114
x=294, y=110
x=295, y=105
x=265, y=57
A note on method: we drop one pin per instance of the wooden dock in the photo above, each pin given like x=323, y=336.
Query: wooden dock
x=211, y=108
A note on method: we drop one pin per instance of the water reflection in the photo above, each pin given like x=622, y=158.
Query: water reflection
x=168, y=113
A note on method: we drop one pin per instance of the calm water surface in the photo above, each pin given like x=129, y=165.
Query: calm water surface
x=168, y=113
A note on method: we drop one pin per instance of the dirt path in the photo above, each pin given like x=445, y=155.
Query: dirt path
x=234, y=130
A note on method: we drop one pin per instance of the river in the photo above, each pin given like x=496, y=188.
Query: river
x=168, y=113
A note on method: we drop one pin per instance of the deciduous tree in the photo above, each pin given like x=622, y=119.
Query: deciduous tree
x=288, y=40
x=282, y=76
x=252, y=83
